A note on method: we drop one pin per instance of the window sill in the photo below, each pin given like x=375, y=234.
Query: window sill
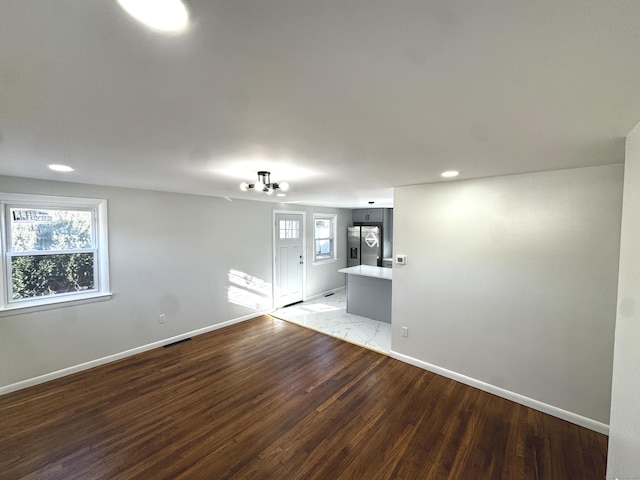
x=324, y=262
x=71, y=302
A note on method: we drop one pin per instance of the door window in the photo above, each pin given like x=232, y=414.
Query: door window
x=289, y=229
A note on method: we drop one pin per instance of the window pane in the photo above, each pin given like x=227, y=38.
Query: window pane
x=323, y=228
x=40, y=275
x=323, y=248
x=36, y=229
x=289, y=229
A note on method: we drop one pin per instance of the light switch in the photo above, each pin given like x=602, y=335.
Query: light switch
x=401, y=259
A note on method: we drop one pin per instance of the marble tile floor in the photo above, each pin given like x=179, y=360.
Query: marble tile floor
x=329, y=315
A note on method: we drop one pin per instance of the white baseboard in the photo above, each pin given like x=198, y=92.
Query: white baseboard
x=501, y=392
x=324, y=294
x=515, y=397
x=117, y=356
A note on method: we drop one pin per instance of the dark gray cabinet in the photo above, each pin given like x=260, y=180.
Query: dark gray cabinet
x=368, y=215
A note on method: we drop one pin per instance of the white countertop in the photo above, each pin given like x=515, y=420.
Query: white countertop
x=369, y=271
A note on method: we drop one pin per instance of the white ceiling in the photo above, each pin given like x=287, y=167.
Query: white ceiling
x=344, y=99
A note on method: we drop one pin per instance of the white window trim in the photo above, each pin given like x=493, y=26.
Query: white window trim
x=102, y=292
x=334, y=220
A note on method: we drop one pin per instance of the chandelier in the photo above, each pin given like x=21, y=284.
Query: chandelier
x=264, y=184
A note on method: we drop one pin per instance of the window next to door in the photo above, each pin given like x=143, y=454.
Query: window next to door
x=324, y=238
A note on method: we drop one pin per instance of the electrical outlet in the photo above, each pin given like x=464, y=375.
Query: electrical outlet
x=405, y=332
x=162, y=318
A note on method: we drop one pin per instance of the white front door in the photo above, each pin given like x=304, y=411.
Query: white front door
x=289, y=247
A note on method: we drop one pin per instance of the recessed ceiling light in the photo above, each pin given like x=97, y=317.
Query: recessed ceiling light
x=450, y=174
x=162, y=15
x=60, y=168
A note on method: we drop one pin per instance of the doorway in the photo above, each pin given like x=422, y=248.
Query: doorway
x=288, y=257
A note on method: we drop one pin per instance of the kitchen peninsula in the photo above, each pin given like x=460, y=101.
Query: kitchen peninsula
x=369, y=291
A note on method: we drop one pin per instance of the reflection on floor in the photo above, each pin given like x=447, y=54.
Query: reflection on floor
x=328, y=315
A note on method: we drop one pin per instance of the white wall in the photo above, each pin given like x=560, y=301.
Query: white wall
x=624, y=437
x=511, y=281
x=189, y=257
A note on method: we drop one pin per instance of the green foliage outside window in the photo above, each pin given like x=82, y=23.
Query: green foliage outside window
x=38, y=275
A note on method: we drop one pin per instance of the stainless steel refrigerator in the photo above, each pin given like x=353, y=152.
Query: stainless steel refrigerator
x=364, y=246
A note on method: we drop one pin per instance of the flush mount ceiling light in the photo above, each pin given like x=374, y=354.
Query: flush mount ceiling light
x=264, y=184
x=450, y=174
x=60, y=168
x=169, y=16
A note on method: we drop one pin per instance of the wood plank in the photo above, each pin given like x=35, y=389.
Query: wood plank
x=269, y=399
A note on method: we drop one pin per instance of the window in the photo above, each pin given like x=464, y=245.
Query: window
x=289, y=229
x=54, y=249
x=324, y=228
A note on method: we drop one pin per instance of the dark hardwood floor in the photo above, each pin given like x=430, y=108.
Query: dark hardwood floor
x=266, y=399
